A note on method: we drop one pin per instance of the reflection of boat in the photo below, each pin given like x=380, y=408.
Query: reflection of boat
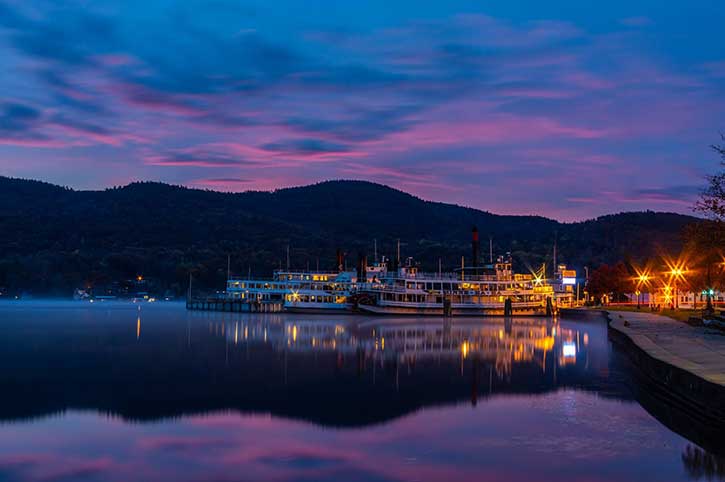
x=339, y=371
x=342, y=371
x=501, y=342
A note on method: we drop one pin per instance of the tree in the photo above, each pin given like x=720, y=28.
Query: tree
x=706, y=240
x=614, y=281
x=712, y=199
x=706, y=244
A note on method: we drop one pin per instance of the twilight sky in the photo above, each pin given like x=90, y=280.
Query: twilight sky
x=567, y=109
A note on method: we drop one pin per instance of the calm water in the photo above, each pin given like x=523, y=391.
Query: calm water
x=111, y=392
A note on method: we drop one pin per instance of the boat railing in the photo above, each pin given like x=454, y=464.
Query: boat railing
x=427, y=276
x=276, y=273
x=305, y=272
x=458, y=291
x=235, y=278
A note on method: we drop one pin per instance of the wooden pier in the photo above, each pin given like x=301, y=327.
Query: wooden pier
x=233, y=306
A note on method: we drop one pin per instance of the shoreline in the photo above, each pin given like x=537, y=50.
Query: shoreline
x=690, y=378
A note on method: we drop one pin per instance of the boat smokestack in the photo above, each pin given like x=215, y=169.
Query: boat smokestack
x=475, y=247
x=362, y=268
x=340, y=260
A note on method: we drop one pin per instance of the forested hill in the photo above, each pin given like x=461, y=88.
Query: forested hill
x=53, y=239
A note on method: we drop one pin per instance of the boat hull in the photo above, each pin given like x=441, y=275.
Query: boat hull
x=317, y=308
x=455, y=311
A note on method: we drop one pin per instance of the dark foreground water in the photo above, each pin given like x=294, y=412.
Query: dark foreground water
x=117, y=393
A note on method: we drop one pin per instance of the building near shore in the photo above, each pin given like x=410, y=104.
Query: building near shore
x=666, y=297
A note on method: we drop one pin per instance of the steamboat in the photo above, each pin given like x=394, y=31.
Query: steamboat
x=488, y=290
x=394, y=288
x=305, y=291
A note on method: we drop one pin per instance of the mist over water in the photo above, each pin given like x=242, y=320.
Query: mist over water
x=125, y=392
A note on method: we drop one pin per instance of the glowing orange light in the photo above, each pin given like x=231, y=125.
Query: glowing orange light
x=676, y=270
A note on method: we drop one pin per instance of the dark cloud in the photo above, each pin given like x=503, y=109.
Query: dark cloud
x=79, y=125
x=304, y=147
x=360, y=125
x=677, y=193
x=70, y=37
x=16, y=117
x=21, y=124
x=195, y=157
x=352, y=76
x=25, y=125
x=72, y=96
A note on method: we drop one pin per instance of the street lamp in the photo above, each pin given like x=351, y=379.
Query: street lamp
x=642, y=279
x=677, y=273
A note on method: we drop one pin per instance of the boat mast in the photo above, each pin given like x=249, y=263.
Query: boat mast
x=398, y=255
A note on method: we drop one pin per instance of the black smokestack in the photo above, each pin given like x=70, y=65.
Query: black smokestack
x=475, y=246
x=340, y=260
x=362, y=268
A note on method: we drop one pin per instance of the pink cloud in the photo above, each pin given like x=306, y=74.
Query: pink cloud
x=40, y=143
x=115, y=60
x=41, y=466
x=496, y=128
x=151, y=100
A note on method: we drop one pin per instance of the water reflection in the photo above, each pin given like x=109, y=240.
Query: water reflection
x=490, y=355
x=703, y=465
x=543, y=391
x=373, y=369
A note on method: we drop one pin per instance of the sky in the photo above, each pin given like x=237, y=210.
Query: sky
x=566, y=109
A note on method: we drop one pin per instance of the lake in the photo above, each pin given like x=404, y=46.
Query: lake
x=126, y=392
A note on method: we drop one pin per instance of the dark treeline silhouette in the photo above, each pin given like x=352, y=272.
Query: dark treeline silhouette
x=54, y=239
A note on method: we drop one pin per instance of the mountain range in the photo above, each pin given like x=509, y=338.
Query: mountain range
x=53, y=239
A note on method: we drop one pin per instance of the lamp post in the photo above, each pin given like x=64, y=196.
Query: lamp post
x=642, y=280
x=676, y=274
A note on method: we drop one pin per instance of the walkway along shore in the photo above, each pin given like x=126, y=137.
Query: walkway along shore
x=686, y=362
